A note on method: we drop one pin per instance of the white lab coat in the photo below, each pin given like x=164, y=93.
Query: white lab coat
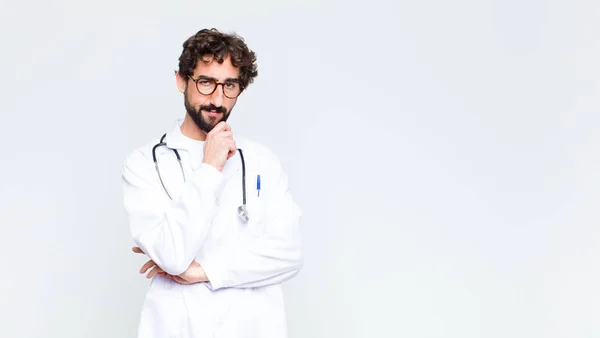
x=245, y=263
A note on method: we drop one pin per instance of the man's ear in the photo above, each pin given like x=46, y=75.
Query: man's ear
x=181, y=82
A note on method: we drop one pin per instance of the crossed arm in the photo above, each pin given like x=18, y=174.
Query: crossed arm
x=194, y=274
x=171, y=233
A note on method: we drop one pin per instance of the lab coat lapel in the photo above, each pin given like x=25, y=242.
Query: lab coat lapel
x=232, y=166
x=175, y=140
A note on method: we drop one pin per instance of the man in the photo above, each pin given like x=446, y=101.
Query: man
x=215, y=273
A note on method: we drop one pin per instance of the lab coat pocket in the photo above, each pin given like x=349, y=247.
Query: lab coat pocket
x=163, y=315
x=256, y=212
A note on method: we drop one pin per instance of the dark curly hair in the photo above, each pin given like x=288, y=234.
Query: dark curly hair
x=218, y=46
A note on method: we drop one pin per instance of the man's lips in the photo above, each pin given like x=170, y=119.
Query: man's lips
x=212, y=113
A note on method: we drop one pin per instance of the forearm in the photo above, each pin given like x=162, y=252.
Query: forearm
x=251, y=260
x=172, y=238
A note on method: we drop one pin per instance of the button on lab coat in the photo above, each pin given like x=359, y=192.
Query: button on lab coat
x=245, y=262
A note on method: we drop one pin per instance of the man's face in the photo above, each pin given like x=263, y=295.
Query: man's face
x=206, y=110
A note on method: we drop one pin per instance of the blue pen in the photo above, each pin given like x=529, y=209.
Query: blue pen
x=258, y=184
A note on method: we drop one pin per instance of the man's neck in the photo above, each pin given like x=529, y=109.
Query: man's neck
x=190, y=129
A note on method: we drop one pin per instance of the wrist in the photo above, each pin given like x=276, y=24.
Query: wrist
x=201, y=275
x=212, y=164
x=198, y=276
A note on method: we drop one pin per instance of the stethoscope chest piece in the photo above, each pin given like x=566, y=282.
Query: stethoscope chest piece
x=243, y=213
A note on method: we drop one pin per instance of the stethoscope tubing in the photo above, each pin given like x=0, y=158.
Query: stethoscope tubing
x=242, y=211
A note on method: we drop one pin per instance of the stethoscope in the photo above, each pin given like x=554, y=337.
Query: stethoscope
x=242, y=211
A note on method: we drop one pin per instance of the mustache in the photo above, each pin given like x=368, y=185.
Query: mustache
x=211, y=107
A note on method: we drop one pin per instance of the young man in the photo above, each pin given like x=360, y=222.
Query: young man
x=212, y=212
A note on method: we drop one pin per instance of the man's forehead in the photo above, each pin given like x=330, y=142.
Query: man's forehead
x=209, y=66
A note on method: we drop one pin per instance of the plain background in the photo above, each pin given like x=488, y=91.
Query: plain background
x=445, y=154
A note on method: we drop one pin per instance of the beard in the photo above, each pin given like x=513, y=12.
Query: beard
x=206, y=124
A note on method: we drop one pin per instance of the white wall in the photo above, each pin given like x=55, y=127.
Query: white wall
x=446, y=155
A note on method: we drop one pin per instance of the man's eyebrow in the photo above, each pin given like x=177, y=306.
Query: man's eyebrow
x=229, y=79
x=204, y=77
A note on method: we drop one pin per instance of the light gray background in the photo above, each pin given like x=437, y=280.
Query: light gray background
x=445, y=153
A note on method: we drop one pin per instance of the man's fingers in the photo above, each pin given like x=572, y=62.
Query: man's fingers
x=226, y=127
x=136, y=249
x=221, y=126
x=153, y=272
x=147, y=266
x=179, y=280
x=232, y=149
x=226, y=134
x=231, y=145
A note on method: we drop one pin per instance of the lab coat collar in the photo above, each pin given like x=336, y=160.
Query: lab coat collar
x=176, y=140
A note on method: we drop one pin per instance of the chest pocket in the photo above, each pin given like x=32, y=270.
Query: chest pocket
x=255, y=198
x=256, y=206
x=227, y=220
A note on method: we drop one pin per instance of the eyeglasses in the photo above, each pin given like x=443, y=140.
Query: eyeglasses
x=207, y=86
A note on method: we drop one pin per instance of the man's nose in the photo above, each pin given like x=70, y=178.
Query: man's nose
x=216, y=98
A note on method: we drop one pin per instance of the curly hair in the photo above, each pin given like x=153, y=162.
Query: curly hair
x=218, y=46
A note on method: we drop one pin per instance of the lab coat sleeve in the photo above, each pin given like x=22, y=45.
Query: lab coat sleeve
x=169, y=232
x=271, y=256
